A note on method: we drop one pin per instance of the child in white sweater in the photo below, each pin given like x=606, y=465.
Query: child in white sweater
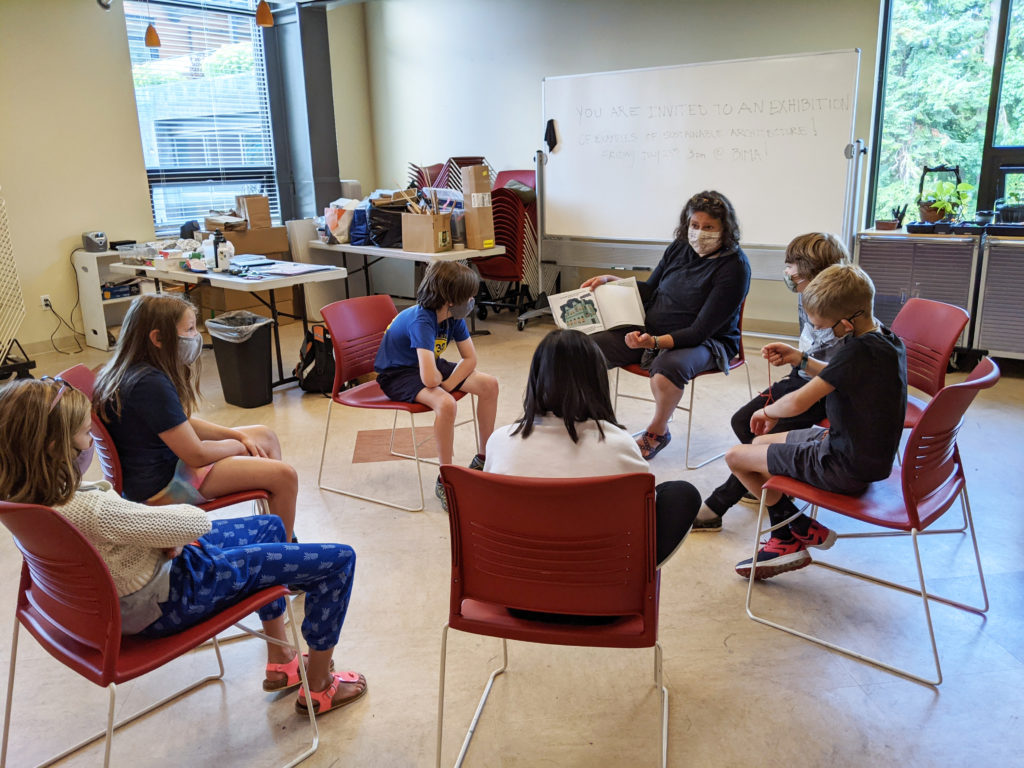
x=568, y=429
x=171, y=566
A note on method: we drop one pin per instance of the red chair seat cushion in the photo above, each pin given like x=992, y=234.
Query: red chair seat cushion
x=484, y=618
x=370, y=395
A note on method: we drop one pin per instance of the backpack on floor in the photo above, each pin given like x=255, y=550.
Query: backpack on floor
x=315, y=370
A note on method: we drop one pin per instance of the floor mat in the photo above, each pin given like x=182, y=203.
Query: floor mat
x=372, y=445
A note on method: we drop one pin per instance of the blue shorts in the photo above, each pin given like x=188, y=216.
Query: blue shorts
x=184, y=486
x=402, y=384
x=805, y=456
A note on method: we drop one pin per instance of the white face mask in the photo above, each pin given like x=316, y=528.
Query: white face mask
x=705, y=243
x=189, y=348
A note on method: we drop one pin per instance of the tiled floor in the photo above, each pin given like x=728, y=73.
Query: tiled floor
x=741, y=694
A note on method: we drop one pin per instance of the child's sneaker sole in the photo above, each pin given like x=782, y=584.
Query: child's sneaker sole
x=776, y=566
x=706, y=526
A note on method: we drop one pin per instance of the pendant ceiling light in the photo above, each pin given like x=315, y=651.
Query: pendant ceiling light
x=152, y=38
x=264, y=17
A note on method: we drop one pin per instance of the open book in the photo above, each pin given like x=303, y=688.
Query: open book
x=611, y=305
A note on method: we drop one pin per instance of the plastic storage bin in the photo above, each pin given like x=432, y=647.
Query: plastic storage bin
x=241, y=345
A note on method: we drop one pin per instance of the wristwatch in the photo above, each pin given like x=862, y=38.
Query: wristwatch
x=803, y=361
x=655, y=343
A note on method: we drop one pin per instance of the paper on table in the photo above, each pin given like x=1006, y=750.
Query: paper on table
x=288, y=268
x=611, y=305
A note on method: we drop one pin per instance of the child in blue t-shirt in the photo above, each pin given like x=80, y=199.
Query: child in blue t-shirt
x=410, y=367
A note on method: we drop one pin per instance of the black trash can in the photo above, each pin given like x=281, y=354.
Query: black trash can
x=241, y=345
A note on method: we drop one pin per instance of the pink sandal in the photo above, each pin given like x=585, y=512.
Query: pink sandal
x=291, y=669
x=323, y=701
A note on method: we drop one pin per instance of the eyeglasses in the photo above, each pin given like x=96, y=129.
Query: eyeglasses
x=60, y=392
x=849, y=319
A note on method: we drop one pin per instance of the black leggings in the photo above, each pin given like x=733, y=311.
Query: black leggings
x=676, y=503
x=732, y=490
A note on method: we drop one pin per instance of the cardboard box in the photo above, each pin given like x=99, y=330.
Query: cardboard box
x=255, y=209
x=224, y=223
x=270, y=241
x=476, y=178
x=427, y=232
x=479, y=228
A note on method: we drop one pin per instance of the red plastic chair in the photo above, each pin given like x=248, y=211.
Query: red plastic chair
x=357, y=326
x=580, y=546
x=929, y=331
x=83, y=379
x=67, y=601
x=916, y=495
x=736, y=362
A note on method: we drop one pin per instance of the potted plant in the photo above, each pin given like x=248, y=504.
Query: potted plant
x=943, y=200
x=1010, y=209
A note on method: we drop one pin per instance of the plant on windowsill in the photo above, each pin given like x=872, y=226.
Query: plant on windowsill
x=944, y=200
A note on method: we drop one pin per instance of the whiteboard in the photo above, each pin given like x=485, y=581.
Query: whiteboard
x=768, y=133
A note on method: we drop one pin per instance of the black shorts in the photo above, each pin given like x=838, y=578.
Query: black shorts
x=404, y=383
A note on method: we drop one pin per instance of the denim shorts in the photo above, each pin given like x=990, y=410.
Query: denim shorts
x=184, y=486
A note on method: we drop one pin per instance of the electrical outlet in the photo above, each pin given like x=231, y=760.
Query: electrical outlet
x=44, y=302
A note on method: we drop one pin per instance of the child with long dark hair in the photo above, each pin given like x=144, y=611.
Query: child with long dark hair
x=568, y=429
x=171, y=566
x=148, y=394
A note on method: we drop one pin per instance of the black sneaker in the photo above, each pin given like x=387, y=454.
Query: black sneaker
x=477, y=463
x=707, y=520
x=775, y=557
x=439, y=492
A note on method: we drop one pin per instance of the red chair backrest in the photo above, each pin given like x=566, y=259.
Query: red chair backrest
x=529, y=178
x=357, y=326
x=66, y=599
x=932, y=473
x=509, y=230
x=929, y=331
x=580, y=546
x=81, y=378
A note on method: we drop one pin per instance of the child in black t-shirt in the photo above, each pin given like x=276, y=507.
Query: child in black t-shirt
x=865, y=390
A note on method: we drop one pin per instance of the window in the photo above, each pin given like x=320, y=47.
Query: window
x=204, y=112
x=953, y=94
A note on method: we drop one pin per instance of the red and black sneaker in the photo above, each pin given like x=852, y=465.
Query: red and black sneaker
x=816, y=535
x=775, y=557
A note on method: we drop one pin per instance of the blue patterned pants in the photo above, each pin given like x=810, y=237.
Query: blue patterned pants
x=244, y=555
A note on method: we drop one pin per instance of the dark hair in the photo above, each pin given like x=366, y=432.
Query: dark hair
x=160, y=312
x=568, y=378
x=716, y=205
x=447, y=282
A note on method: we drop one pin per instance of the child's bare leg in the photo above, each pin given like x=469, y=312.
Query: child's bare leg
x=485, y=387
x=278, y=654
x=244, y=473
x=266, y=438
x=444, y=407
x=749, y=463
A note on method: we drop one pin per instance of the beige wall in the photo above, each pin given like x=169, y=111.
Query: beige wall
x=70, y=153
x=457, y=77
x=353, y=122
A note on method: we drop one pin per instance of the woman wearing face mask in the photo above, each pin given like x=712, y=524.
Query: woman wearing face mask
x=148, y=394
x=806, y=256
x=410, y=368
x=692, y=302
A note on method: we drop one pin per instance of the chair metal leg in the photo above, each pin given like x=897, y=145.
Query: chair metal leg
x=314, y=745
x=10, y=693
x=479, y=706
x=922, y=593
x=375, y=500
x=659, y=682
x=436, y=462
x=689, y=423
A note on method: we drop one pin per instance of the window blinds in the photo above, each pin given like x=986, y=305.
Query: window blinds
x=204, y=112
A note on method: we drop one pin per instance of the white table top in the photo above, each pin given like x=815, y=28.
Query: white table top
x=232, y=282
x=398, y=253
